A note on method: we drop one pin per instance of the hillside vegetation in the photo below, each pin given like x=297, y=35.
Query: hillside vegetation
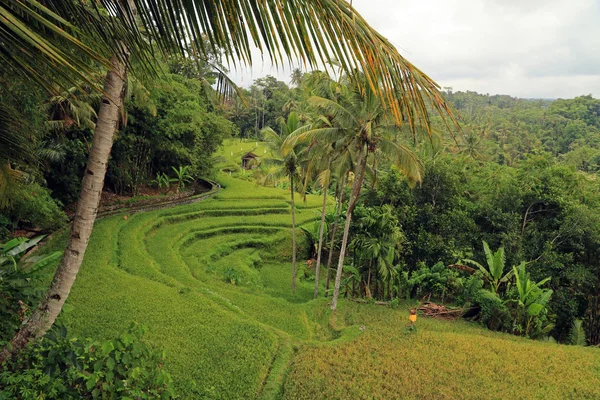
x=211, y=280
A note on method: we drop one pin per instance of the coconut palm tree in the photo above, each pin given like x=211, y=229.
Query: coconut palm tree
x=287, y=162
x=46, y=42
x=360, y=118
x=340, y=190
x=296, y=77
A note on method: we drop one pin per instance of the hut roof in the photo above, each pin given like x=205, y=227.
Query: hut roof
x=249, y=155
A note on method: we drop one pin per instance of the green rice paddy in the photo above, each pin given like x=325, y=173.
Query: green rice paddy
x=211, y=281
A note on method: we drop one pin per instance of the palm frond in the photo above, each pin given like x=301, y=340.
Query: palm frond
x=577, y=336
x=10, y=180
x=316, y=32
x=36, y=39
x=14, y=145
x=404, y=159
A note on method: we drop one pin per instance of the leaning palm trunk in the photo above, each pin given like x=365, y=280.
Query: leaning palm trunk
x=320, y=247
x=333, y=233
x=87, y=207
x=293, y=236
x=359, y=175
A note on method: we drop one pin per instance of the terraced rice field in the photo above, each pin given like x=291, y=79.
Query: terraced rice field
x=211, y=281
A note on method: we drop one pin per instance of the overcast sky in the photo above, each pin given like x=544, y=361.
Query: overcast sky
x=524, y=48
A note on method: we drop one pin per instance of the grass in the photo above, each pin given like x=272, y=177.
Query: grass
x=443, y=360
x=172, y=269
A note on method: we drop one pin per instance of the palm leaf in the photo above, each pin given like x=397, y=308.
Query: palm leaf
x=315, y=31
x=404, y=159
x=577, y=336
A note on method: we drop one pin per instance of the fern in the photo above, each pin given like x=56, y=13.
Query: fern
x=577, y=337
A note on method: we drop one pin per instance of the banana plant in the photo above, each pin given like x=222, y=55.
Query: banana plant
x=532, y=298
x=162, y=180
x=496, y=262
x=182, y=176
x=17, y=274
x=11, y=251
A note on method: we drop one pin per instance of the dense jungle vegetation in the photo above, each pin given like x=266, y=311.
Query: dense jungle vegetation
x=270, y=241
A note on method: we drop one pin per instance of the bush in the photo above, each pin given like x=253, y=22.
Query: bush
x=35, y=207
x=493, y=313
x=62, y=368
x=21, y=284
x=438, y=281
x=232, y=276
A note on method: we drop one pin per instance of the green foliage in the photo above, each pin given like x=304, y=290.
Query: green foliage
x=539, y=211
x=62, y=368
x=162, y=180
x=182, y=176
x=376, y=241
x=184, y=130
x=438, y=281
x=493, y=311
x=20, y=282
x=35, y=208
x=63, y=175
x=232, y=276
x=494, y=273
x=531, y=302
x=578, y=334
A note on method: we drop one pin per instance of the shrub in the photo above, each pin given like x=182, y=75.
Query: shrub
x=437, y=281
x=232, y=276
x=35, y=207
x=493, y=313
x=62, y=368
x=20, y=282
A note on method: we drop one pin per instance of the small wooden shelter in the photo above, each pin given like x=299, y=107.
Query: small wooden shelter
x=248, y=160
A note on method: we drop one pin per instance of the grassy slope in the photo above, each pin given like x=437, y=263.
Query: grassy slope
x=166, y=269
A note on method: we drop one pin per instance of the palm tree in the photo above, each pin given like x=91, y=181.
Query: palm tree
x=375, y=247
x=337, y=158
x=340, y=190
x=360, y=118
x=296, y=77
x=324, y=179
x=40, y=42
x=286, y=162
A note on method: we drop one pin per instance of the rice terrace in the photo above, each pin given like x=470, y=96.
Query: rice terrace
x=211, y=282
x=346, y=229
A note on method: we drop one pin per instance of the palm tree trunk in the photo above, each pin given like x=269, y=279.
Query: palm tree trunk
x=293, y=236
x=333, y=233
x=87, y=207
x=320, y=247
x=368, y=286
x=359, y=175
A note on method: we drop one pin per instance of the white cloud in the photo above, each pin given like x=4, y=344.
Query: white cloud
x=525, y=48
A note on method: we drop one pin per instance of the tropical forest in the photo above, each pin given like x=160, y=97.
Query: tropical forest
x=344, y=229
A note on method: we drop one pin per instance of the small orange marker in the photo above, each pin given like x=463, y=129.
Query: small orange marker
x=413, y=316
